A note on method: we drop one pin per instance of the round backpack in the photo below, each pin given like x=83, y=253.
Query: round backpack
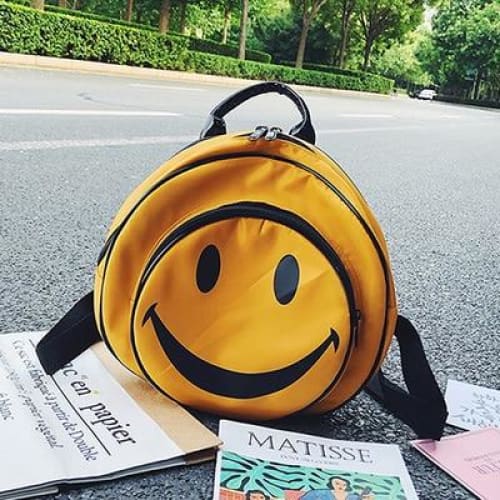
x=248, y=277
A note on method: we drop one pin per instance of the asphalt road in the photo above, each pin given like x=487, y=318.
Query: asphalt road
x=73, y=146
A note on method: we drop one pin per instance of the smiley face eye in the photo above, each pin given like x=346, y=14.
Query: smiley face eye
x=208, y=269
x=286, y=279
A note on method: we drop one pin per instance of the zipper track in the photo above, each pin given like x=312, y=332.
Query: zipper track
x=228, y=156
x=255, y=210
x=114, y=234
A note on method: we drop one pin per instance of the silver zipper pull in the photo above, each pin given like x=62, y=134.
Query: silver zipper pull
x=258, y=133
x=272, y=133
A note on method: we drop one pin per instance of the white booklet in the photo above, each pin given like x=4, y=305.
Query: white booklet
x=91, y=421
x=472, y=407
x=259, y=463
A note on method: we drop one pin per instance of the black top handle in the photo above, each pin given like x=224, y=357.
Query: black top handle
x=217, y=126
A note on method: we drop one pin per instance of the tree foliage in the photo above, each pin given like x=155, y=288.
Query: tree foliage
x=463, y=53
x=389, y=19
x=401, y=63
x=26, y=30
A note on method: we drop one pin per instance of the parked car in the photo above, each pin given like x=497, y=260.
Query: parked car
x=426, y=94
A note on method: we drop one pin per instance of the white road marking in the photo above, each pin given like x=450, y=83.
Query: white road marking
x=162, y=139
x=360, y=115
x=366, y=129
x=82, y=112
x=165, y=87
x=93, y=143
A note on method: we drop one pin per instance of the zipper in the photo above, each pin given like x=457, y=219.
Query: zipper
x=257, y=210
x=190, y=166
x=268, y=133
x=250, y=209
x=258, y=133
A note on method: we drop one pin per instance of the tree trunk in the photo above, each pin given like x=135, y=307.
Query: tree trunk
x=477, y=85
x=347, y=10
x=243, y=29
x=182, y=27
x=342, y=47
x=307, y=18
x=63, y=3
x=333, y=56
x=164, y=16
x=227, y=24
x=129, y=10
x=367, y=52
x=299, y=61
x=38, y=4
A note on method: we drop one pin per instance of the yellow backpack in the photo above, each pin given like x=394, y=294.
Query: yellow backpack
x=248, y=277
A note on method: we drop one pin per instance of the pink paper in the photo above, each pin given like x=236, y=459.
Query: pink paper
x=472, y=458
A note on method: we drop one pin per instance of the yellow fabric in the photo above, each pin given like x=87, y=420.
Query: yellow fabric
x=239, y=325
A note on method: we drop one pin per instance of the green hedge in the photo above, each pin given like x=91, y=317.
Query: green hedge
x=193, y=43
x=228, y=66
x=28, y=31
x=378, y=82
x=227, y=50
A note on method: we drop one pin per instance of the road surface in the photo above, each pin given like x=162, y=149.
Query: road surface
x=72, y=147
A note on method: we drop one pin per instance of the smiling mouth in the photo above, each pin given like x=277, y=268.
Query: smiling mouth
x=232, y=384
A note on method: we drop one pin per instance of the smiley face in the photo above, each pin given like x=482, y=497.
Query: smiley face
x=241, y=313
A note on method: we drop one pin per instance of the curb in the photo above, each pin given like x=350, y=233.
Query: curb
x=99, y=68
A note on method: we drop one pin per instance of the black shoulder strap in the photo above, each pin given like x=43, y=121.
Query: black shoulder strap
x=423, y=407
x=72, y=335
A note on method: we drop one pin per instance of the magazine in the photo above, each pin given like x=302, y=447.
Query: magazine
x=259, y=463
x=91, y=421
x=472, y=407
x=472, y=458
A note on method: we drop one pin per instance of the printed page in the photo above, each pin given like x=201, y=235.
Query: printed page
x=272, y=464
x=77, y=424
x=472, y=458
x=472, y=407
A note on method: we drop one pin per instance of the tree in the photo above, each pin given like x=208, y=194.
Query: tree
x=164, y=16
x=390, y=18
x=228, y=7
x=227, y=23
x=279, y=34
x=308, y=10
x=464, y=53
x=63, y=3
x=182, y=15
x=400, y=62
x=129, y=10
x=347, y=9
x=38, y=4
x=481, y=51
x=243, y=28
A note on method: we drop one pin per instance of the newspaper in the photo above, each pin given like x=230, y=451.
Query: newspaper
x=91, y=421
x=259, y=463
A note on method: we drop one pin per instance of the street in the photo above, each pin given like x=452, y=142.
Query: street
x=72, y=147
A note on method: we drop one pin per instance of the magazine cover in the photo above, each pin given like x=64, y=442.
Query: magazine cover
x=471, y=406
x=259, y=463
x=472, y=458
x=91, y=421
